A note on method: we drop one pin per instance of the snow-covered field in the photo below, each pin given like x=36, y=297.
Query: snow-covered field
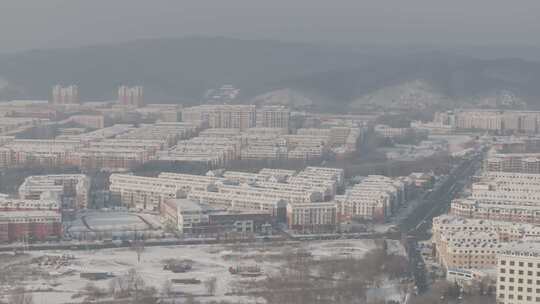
x=208, y=261
x=119, y=221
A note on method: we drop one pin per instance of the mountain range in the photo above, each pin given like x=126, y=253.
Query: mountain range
x=330, y=77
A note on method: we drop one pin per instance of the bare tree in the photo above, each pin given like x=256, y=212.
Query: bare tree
x=211, y=285
x=189, y=299
x=20, y=296
x=138, y=247
x=135, y=282
x=118, y=287
x=166, y=288
x=93, y=292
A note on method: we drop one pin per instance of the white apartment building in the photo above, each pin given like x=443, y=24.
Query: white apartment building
x=479, y=119
x=89, y=121
x=65, y=95
x=261, y=193
x=241, y=177
x=276, y=175
x=245, y=201
x=18, y=204
x=170, y=132
x=221, y=116
x=389, y=132
x=513, y=162
x=221, y=133
x=216, y=158
x=469, y=250
x=72, y=189
x=374, y=198
x=147, y=193
x=496, y=210
x=16, y=124
x=50, y=152
x=100, y=134
x=271, y=153
x=506, y=231
x=463, y=243
x=131, y=96
x=273, y=117
x=512, y=188
x=518, y=273
x=183, y=214
x=315, y=217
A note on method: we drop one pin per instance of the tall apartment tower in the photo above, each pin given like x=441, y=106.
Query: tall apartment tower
x=273, y=117
x=65, y=95
x=131, y=96
x=221, y=116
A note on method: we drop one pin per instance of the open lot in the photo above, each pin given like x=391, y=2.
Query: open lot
x=60, y=282
x=121, y=222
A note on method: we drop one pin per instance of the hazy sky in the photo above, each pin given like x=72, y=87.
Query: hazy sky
x=28, y=24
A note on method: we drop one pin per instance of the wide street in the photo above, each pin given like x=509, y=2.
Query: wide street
x=416, y=226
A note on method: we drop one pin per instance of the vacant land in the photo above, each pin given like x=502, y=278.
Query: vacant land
x=55, y=276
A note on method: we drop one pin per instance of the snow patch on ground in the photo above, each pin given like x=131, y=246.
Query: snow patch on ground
x=208, y=261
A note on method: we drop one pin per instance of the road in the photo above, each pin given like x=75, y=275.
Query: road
x=438, y=201
x=417, y=225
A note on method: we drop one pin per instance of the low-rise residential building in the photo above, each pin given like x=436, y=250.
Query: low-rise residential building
x=221, y=116
x=518, y=273
x=462, y=243
x=8, y=204
x=312, y=217
x=389, y=132
x=495, y=210
x=374, y=198
x=89, y=121
x=145, y=193
x=186, y=216
x=47, y=152
x=71, y=189
x=469, y=250
x=513, y=162
x=30, y=225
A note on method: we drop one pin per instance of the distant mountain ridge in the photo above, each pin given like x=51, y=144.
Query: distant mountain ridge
x=181, y=70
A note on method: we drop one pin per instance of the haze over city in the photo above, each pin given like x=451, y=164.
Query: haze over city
x=69, y=23
x=274, y=152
